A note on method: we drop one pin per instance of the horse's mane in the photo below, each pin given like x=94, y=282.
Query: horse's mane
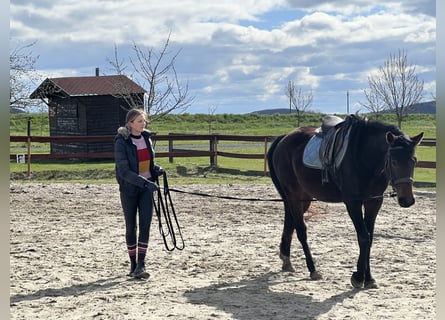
x=375, y=126
x=372, y=131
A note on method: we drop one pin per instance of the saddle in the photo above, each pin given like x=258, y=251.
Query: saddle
x=326, y=149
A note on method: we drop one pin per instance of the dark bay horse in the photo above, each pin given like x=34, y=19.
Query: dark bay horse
x=377, y=154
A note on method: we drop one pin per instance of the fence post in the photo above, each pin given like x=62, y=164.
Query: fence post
x=28, y=143
x=265, y=156
x=216, y=151
x=212, y=151
x=170, y=149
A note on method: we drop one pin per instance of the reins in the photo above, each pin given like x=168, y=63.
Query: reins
x=167, y=221
x=388, y=194
x=227, y=197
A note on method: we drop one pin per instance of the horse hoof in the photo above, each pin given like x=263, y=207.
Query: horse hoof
x=287, y=265
x=371, y=284
x=356, y=283
x=315, y=275
x=288, y=269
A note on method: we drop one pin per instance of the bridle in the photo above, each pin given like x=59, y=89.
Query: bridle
x=389, y=169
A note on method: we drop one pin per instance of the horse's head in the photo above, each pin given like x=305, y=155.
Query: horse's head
x=399, y=167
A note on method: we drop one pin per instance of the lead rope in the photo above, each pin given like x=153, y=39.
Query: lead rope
x=168, y=217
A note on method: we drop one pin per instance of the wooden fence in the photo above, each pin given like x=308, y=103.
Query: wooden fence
x=212, y=152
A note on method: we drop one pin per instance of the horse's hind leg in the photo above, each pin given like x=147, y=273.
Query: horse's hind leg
x=301, y=229
x=294, y=219
x=286, y=239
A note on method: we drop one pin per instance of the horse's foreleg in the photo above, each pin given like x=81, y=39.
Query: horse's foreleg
x=372, y=208
x=364, y=242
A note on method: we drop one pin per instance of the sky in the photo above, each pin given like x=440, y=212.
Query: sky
x=237, y=56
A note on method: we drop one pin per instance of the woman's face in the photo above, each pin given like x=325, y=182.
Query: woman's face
x=137, y=125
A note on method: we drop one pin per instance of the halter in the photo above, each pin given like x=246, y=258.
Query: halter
x=389, y=170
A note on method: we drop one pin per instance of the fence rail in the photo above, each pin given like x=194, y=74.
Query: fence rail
x=212, y=152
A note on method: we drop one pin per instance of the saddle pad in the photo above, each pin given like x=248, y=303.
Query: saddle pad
x=311, y=153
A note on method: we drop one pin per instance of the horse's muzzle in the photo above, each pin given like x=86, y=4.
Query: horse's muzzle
x=405, y=195
x=406, y=203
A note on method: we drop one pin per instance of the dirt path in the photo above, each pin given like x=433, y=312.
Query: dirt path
x=68, y=259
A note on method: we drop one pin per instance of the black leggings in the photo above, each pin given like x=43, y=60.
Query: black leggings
x=131, y=204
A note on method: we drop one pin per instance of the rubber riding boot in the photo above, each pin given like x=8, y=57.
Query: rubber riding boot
x=132, y=267
x=139, y=272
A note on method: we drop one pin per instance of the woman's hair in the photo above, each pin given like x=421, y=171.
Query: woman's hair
x=133, y=114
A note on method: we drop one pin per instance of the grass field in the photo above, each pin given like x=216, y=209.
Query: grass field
x=197, y=170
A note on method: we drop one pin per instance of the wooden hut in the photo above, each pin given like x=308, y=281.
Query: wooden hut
x=87, y=106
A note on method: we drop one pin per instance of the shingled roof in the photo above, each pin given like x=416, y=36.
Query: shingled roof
x=86, y=86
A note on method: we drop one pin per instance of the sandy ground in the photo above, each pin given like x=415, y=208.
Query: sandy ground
x=68, y=259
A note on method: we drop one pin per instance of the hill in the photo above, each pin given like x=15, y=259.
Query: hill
x=425, y=107
x=421, y=108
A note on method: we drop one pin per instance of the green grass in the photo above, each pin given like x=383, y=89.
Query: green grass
x=249, y=124
x=184, y=171
x=196, y=170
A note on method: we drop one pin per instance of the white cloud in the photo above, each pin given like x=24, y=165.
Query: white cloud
x=347, y=7
x=240, y=53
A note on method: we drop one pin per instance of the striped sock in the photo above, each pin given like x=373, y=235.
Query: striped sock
x=142, y=250
x=132, y=251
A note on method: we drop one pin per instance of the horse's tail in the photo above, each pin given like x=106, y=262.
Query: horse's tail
x=272, y=172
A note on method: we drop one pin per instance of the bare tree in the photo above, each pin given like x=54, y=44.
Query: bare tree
x=396, y=85
x=374, y=104
x=298, y=100
x=211, y=116
x=22, y=76
x=155, y=71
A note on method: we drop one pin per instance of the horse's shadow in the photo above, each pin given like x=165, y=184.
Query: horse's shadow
x=74, y=290
x=256, y=298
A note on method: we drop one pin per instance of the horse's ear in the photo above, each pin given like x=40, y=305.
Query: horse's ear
x=390, y=137
x=417, y=139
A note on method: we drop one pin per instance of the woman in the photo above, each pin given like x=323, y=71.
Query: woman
x=136, y=173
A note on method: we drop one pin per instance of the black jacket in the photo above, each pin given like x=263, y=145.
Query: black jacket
x=127, y=163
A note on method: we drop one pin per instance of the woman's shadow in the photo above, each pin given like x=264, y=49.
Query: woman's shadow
x=256, y=298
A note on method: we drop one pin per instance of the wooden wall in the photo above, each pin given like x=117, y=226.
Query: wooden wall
x=85, y=116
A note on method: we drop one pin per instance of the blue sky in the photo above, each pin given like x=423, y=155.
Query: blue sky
x=237, y=56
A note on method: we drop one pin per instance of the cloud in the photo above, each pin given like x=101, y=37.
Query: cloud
x=346, y=7
x=238, y=55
